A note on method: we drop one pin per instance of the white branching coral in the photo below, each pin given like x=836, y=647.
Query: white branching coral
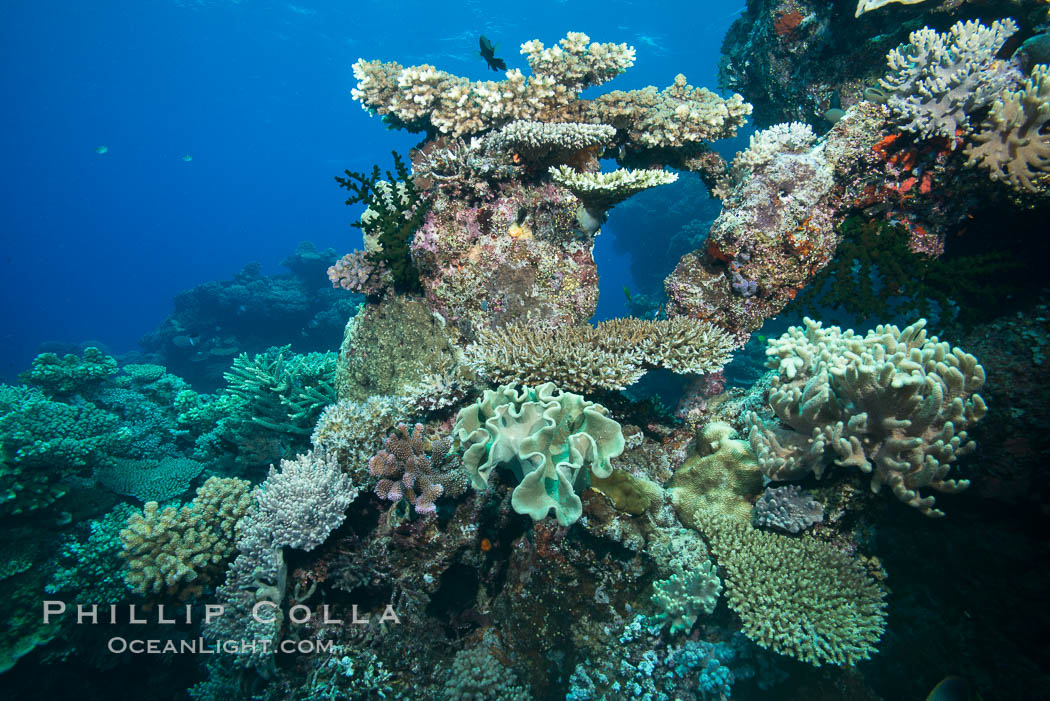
x=937, y=81
x=576, y=64
x=1014, y=141
x=536, y=140
x=600, y=191
x=869, y=5
x=679, y=115
x=423, y=97
x=790, y=137
x=894, y=403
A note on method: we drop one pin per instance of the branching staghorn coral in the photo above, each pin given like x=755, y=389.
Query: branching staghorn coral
x=407, y=471
x=285, y=391
x=937, y=81
x=1014, y=141
x=177, y=551
x=799, y=597
x=894, y=403
x=611, y=355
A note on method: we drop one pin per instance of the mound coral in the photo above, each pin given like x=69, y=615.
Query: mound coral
x=552, y=441
x=799, y=597
x=786, y=509
x=720, y=478
x=894, y=403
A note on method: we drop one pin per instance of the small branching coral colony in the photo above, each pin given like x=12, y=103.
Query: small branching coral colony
x=471, y=462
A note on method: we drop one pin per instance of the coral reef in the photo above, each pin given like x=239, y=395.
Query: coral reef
x=552, y=441
x=894, y=403
x=611, y=355
x=216, y=321
x=70, y=374
x=149, y=480
x=800, y=597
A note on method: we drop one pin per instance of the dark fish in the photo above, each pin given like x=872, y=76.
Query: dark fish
x=954, y=689
x=488, y=52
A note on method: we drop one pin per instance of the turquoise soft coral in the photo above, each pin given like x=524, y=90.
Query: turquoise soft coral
x=551, y=440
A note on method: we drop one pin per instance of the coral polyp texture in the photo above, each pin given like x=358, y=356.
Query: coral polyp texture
x=799, y=597
x=787, y=509
x=551, y=441
x=682, y=598
x=611, y=355
x=894, y=403
x=1014, y=139
x=937, y=81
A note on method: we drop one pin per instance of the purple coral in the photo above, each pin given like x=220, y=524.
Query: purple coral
x=357, y=272
x=406, y=471
x=787, y=509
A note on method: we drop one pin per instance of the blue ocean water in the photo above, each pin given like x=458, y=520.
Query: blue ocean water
x=258, y=95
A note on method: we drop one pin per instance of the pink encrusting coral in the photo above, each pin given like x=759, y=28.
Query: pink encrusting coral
x=406, y=471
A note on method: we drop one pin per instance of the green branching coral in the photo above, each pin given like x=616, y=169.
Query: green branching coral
x=875, y=275
x=551, y=440
x=800, y=597
x=681, y=598
x=395, y=209
x=286, y=392
x=70, y=374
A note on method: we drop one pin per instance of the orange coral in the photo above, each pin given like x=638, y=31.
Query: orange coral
x=787, y=23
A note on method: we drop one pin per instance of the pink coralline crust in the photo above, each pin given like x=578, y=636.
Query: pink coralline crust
x=355, y=272
x=406, y=471
x=521, y=254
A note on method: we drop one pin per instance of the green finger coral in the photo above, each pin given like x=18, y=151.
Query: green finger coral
x=552, y=441
x=800, y=597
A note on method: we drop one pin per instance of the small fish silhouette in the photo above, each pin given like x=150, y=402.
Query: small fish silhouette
x=187, y=158
x=488, y=52
x=101, y=149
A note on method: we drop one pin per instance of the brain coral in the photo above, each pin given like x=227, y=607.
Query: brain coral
x=720, y=477
x=551, y=440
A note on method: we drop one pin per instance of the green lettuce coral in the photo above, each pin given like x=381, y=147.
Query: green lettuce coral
x=552, y=441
